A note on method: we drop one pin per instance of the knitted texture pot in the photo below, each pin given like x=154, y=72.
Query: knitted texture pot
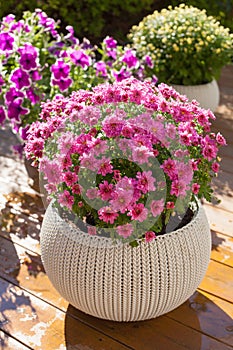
x=121, y=283
x=206, y=94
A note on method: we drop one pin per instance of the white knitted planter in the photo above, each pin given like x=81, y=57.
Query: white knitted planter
x=121, y=283
x=206, y=94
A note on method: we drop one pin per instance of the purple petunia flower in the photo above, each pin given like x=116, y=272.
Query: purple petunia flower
x=56, y=49
x=110, y=42
x=32, y=96
x=28, y=48
x=130, y=58
x=28, y=62
x=63, y=84
x=154, y=79
x=8, y=19
x=101, y=68
x=6, y=42
x=70, y=36
x=20, y=78
x=20, y=25
x=85, y=45
x=2, y=115
x=2, y=82
x=19, y=150
x=47, y=22
x=60, y=69
x=35, y=75
x=12, y=94
x=23, y=132
x=148, y=61
x=80, y=58
x=121, y=74
x=112, y=54
x=15, y=109
x=28, y=59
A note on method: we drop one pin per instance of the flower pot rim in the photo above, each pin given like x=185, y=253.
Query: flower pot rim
x=93, y=239
x=212, y=82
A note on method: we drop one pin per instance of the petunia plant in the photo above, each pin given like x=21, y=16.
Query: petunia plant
x=39, y=62
x=126, y=159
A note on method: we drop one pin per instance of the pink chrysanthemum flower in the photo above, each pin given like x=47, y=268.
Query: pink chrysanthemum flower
x=121, y=200
x=88, y=161
x=107, y=214
x=112, y=126
x=149, y=236
x=91, y=230
x=141, y=154
x=215, y=167
x=66, y=199
x=125, y=231
x=106, y=190
x=145, y=181
x=70, y=178
x=195, y=188
x=51, y=170
x=169, y=167
x=156, y=207
x=170, y=205
x=220, y=139
x=178, y=188
x=92, y=193
x=99, y=146
x=138, y=212
x=105, y=167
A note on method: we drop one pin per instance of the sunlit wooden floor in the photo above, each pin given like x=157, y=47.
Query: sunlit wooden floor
x=34, y=316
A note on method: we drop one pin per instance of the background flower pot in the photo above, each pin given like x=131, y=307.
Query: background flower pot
x=121, y=283
x=206, y=94
x=33, y=175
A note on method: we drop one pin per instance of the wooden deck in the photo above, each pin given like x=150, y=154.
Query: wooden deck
x=34, y=316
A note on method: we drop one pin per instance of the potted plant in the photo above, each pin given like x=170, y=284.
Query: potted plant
x=188, y=49
x=124, y=236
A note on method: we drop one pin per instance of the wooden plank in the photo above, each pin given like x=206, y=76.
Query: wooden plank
x=24, y=268
x=220, y=220
x=9, y=343
x=223, y=121
x=218, y=281
x=214, y=316
x=41, y=326
x=227, y=152
x=226, y=132
x=224, y=117
x=227, y=164
x=223, y=190
x=222, y=248
x=161, y=333
x=225, y=204
x=21, y=219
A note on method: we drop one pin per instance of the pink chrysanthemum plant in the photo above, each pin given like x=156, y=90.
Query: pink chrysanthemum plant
x=38, y=62
x=128, y=159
